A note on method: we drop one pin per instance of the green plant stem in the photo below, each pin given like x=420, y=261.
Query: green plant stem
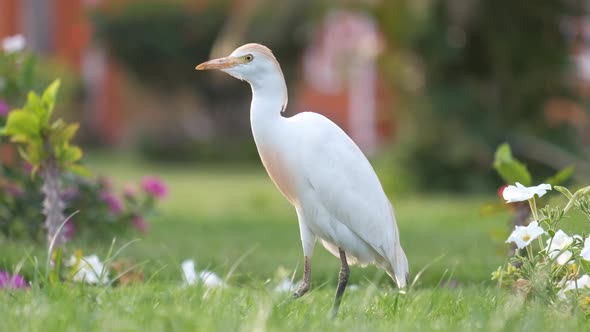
x=578, y=194
x=530, y=253
x=533, y=205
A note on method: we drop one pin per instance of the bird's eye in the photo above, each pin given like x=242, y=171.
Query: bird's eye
x=249, y=57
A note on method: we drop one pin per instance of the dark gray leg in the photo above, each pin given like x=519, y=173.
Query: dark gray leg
x=305, y=285
x=342, y=281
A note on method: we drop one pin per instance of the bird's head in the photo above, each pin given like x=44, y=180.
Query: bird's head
x=250, y=62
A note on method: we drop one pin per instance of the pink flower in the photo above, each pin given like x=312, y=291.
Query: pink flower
x=113, y=202
x=140, y=224
x=129, y=192
x=15, y=189
x=15, y=281
x=154, y=187
x=27, y=167
x=4, y=108
x=69, y=230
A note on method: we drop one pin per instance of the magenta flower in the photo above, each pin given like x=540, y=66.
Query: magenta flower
x=113, y=202
x=4, y=108
x=153, y=186
x=69, y=230
x=140, y=224
x=27, y=167
x=15, y=281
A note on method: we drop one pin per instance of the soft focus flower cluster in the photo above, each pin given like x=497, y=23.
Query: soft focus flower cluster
x=102, y=210
x=207, y=278
x=128, y=208
x=12, y=281
x=546, y=249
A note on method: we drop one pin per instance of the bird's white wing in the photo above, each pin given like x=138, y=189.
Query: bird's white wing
x=348, y=187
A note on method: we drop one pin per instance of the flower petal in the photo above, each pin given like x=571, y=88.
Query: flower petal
x=564, y=257
x=586, y=250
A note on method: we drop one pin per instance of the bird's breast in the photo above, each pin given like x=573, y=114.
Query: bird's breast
x=279, y=170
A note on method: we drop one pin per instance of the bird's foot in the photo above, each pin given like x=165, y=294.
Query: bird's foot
x=304, y=288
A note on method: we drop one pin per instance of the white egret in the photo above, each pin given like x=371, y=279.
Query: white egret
x=321, y=171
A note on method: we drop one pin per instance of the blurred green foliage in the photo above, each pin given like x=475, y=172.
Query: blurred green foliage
x=474, y=74
x=511, y=170
x=40, y=138
x=160, y=42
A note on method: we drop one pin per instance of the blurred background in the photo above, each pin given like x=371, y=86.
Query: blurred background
x=427, y=88
x=433, y=85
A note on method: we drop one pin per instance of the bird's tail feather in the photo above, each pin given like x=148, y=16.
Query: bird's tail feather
x=398, y=268
x=399, y=264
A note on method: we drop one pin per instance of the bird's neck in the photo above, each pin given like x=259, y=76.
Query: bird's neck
x=269, y=98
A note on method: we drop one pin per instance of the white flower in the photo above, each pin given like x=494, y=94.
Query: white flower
x=563, y=258
x=524, y=235
x=521, y=193
x=586, y=250
x=90, y=270
x=13, y=44
x=188, y=272
x=287, y=285
x=560, y=242
x=208, y=278
x=583, y=282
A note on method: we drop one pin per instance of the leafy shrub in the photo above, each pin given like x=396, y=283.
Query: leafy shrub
x=548, y=264
x=44, y=177
x=475, y=74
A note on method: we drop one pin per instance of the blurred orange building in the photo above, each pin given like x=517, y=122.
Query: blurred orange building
x=355, y=97
x=341, y=78
x=59, y=28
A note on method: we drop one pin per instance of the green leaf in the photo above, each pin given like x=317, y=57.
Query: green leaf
x=79, y=170
x=35, y=105
x=510, y=169
x=62, y=134
x=68, y=154
x=561, y=176
x=35, y=153
x=23, y=125
x=23, y=154
x=50, y=95
x=55, y=272
x=564, y=191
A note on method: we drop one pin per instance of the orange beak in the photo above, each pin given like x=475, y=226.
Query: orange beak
x=220, y=63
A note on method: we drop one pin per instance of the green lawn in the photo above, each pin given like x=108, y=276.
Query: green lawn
x=231, y=220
